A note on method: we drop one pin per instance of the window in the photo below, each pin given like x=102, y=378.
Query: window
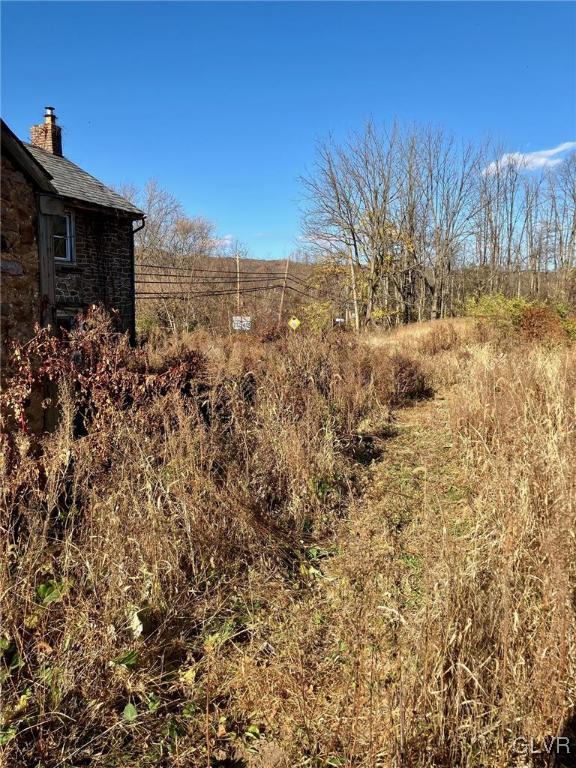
x=65, y=319
x=61, y=230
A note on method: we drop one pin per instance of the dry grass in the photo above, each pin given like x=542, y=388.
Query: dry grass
x=429, y=337
x=216, y=579
x=496, y=638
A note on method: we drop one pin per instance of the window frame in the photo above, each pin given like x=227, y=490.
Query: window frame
x=70, y=257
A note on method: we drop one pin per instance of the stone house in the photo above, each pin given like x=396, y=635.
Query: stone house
x=67, y=241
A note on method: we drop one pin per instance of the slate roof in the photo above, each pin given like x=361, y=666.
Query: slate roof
x=69, y=180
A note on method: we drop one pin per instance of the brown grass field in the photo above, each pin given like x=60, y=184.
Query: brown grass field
x=314, y=551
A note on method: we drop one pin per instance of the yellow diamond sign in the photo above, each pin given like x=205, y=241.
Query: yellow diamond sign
x=294, y=323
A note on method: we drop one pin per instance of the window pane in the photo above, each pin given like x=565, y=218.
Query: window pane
x=60, y=235
x=59, y=226
x=60, y=248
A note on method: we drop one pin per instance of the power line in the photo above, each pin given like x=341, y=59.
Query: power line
x=206, y=269
x=220, y=284
x=230, y=292
x=210, y=281
x=197, y=271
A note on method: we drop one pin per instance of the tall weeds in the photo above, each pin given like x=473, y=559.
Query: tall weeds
x=198, y=570
x=490, y=657
x=133, y=545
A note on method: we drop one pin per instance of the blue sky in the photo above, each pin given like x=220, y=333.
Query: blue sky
x=223, y=102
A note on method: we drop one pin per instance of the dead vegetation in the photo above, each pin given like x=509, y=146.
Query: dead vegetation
x=213, y=572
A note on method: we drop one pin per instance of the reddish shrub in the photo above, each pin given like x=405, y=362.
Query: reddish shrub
x=409, y=380
x=103, y=372
x=441, y=338
x=540, y=323
x=272, y=333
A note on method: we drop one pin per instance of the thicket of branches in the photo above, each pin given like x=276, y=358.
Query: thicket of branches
x=421, y=221
x=172, y=240
x=400, y=225
x=188, y=276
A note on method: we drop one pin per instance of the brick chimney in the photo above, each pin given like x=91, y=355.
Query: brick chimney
x=47, y=135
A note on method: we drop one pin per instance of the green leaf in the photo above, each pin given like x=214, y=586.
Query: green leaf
x=128, y=659
x=252, y=732
x=51, y=591
x=189, y=710
x=130, y=713
x=7, y=734
x=313, y=553
x=15, y=662
x=153, y=702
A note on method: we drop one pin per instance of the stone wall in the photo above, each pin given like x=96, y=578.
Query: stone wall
x=19, y=265
x=102, y=272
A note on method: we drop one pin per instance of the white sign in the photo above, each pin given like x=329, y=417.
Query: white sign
x=241, y=322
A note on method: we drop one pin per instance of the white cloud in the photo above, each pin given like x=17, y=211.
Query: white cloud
x=225, y=242
x=531, y=161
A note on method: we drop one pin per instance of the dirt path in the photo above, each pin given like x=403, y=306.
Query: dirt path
x=340, y=684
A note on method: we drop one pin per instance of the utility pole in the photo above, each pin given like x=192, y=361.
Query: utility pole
x=237, y=280
x=354, y=294
x=281, y=307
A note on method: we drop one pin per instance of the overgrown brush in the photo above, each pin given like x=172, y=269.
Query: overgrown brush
x=442, y=632
x=410, y=380
x=195, y=571
x=525, y=320
x=176, y=489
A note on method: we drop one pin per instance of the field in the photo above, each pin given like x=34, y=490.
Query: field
x=312, y=550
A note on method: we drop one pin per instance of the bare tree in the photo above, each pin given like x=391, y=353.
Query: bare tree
x=422, y=219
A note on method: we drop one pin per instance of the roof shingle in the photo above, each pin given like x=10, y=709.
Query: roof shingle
x=70, y=180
